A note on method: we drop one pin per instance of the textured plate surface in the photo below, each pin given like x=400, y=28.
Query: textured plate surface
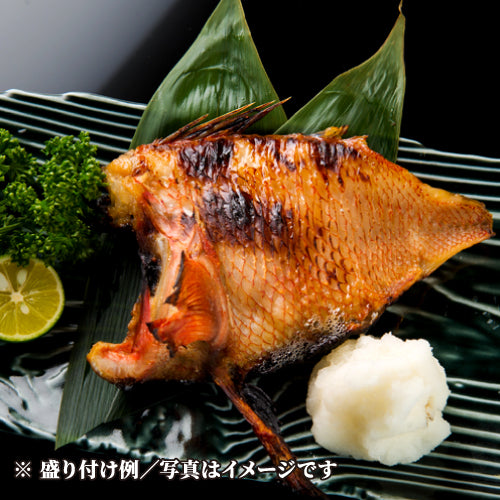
x=457, y=309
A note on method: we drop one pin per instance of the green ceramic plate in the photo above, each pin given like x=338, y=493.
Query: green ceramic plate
x=457, y=309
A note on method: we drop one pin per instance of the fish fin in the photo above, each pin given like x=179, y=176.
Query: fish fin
x=269, y=436
x=262, y=404
x=235, y=121
x=333, y=132
x=194, y=310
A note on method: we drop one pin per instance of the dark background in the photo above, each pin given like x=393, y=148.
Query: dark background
x=125, y=48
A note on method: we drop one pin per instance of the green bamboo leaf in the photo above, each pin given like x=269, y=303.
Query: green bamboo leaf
x=113, y=287
x=368, y=98
x=220, y=72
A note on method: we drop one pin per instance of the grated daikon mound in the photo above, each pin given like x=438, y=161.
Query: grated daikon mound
x=379, y=400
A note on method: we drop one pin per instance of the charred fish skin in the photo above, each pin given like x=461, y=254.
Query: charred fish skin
x=318, y=248
x=258, y=250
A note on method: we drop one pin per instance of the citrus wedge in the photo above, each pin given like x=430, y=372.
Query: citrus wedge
x=31, y=299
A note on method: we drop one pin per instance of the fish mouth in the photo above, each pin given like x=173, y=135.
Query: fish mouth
x=179, y=324
x=129, y=361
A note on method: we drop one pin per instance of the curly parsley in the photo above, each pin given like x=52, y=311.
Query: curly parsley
x=47, y=208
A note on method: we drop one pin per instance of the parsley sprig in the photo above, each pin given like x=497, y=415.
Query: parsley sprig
x=47, y=208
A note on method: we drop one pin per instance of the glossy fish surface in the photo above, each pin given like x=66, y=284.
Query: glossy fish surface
x=260, y=250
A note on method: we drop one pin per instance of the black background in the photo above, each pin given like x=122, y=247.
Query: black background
x=451, y=55
x=451, y=104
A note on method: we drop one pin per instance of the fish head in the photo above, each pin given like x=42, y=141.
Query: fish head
x=180, y=321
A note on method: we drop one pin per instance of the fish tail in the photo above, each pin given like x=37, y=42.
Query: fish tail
x=272, y=441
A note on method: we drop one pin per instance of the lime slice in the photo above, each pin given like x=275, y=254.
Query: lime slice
x=31, y=299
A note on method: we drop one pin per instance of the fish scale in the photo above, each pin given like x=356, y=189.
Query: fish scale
x=263, y=250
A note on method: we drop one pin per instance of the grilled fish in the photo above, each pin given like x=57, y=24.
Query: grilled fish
x=260, y=250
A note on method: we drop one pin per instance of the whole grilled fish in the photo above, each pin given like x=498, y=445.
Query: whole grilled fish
x=259, y=250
